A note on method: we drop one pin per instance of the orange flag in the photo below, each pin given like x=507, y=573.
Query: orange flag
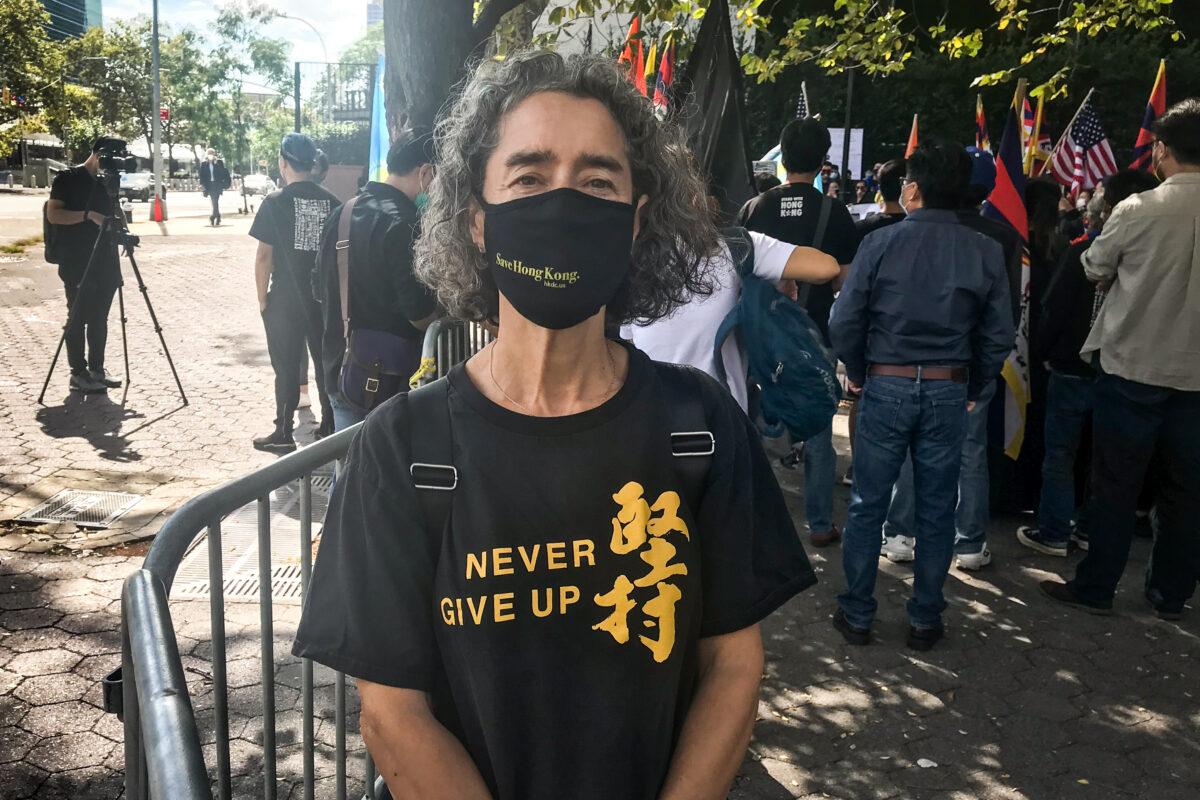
x=912, y=139
x=632, y=57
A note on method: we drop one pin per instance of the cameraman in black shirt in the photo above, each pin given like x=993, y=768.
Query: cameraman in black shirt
x=77, y=207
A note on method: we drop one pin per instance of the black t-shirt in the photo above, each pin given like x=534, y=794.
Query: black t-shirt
x=875, y=221
x=384, y=293
x=790, y=213
x=291, y=221
x=556, y=621
x=79, y=191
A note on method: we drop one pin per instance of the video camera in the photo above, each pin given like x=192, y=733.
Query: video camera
x=115, y=158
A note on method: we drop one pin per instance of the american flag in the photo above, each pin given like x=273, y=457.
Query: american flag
x=802, y=111
x=1084, y=157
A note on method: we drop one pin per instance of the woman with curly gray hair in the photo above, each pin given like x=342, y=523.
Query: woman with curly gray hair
x=578, y=616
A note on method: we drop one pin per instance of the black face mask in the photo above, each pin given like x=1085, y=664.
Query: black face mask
x=559, y=256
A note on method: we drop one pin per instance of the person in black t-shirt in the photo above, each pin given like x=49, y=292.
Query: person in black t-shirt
x=790, y=213
x=580, y=618
x=77, y=207
x=890, y=176
x=288, y=229
x=384, y=293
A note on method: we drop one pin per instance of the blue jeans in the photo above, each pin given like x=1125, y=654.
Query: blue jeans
x=972, y=513
x=820, y=468
x=1068, y=406
x=344, y=414
x=898, y=417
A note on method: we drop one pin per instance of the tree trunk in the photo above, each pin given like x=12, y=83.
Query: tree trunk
x=425, y=45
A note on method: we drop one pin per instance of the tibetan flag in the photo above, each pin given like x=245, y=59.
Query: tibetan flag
x=666, y=76
x=1006, y=204
x=1154, y=109
x=912, y=139
x=1027, y=122
x=982, y=140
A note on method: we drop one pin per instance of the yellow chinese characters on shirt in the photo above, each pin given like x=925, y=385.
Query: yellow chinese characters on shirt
x=642, y=528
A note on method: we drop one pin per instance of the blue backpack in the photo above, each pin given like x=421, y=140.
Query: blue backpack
x=786, y=355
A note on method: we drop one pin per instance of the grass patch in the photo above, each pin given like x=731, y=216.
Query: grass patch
x=19, y=246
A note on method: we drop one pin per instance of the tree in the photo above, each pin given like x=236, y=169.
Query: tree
x=879, y=37
x=28, y=73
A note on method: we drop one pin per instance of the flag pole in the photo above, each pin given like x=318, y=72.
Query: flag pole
x=1035, y=136
x=1067, y=130
x=804, y=94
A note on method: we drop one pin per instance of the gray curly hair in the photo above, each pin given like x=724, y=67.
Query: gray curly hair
x=676, y=234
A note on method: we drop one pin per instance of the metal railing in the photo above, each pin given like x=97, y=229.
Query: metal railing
x=163, y=753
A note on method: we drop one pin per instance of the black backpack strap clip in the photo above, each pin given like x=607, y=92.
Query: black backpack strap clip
x=692, y=443
x=431, y=438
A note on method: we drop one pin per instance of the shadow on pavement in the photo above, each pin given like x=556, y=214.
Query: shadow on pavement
x=95, y=418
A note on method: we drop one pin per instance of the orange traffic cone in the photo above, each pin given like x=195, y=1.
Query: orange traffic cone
x=159, y=213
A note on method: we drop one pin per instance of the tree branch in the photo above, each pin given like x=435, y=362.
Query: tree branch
x=489, y=17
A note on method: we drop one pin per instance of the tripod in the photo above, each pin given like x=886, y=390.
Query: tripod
x=115, y=225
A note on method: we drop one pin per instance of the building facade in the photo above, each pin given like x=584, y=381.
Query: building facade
x=71, y=18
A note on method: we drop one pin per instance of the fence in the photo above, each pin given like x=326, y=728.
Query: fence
x=164, y=753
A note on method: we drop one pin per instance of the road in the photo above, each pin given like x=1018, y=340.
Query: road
x=187, y=213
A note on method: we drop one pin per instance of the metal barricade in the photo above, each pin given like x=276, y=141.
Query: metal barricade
x=164, y=757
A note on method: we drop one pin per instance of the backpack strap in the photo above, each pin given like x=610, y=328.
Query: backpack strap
x=342, y=248
x=692, y=443
x=431, y=438
x=805, y=289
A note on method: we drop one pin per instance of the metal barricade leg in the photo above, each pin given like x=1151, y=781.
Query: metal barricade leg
x=268, y=644
x=307, y=667
x=216, y=607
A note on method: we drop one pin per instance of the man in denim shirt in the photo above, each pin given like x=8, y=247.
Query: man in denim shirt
x=923, y=324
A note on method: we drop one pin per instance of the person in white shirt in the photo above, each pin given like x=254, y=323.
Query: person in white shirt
x=688, y=335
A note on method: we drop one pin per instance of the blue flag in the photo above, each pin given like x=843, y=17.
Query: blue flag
x=380, y=140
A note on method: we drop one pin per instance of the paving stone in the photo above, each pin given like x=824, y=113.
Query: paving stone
x=46, y=689
x=58, y=718
x=14, y=744
x=92, y=622
x=43, y=662
x=70, y=751
x=30, y=618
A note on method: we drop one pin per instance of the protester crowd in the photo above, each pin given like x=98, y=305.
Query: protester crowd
x=640, y=353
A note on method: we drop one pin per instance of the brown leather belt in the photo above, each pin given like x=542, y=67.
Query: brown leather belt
x=956, y=374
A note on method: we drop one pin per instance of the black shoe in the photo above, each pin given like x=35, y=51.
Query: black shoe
x=277, y=442
x=101, y=376
x=852, y=635
x=1061, y=592
x=324, y=429
x=1168, y=612
x=1079, y=537
x=792, y=460
x=924, y=638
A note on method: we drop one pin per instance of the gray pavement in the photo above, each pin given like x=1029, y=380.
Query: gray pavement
x=1023, y=700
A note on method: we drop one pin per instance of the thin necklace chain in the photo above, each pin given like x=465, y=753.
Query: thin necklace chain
x=612, y=365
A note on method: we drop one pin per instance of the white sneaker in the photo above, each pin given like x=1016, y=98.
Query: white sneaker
x=899, y=548
x=973, y=561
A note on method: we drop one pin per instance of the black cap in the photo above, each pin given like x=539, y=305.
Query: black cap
x=299, y=151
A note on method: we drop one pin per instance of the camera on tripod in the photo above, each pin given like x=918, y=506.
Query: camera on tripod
x=115, y=158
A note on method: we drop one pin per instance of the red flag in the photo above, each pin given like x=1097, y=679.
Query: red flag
x=912, y=139
x=666, y=75
x=632, y=57
x=1154, y=108
x=982, y=141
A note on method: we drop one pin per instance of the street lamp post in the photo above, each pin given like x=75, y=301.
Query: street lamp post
x=156, y=110
x=325, y=55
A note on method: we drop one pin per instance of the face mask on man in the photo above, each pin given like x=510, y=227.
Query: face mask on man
x=560, y=256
